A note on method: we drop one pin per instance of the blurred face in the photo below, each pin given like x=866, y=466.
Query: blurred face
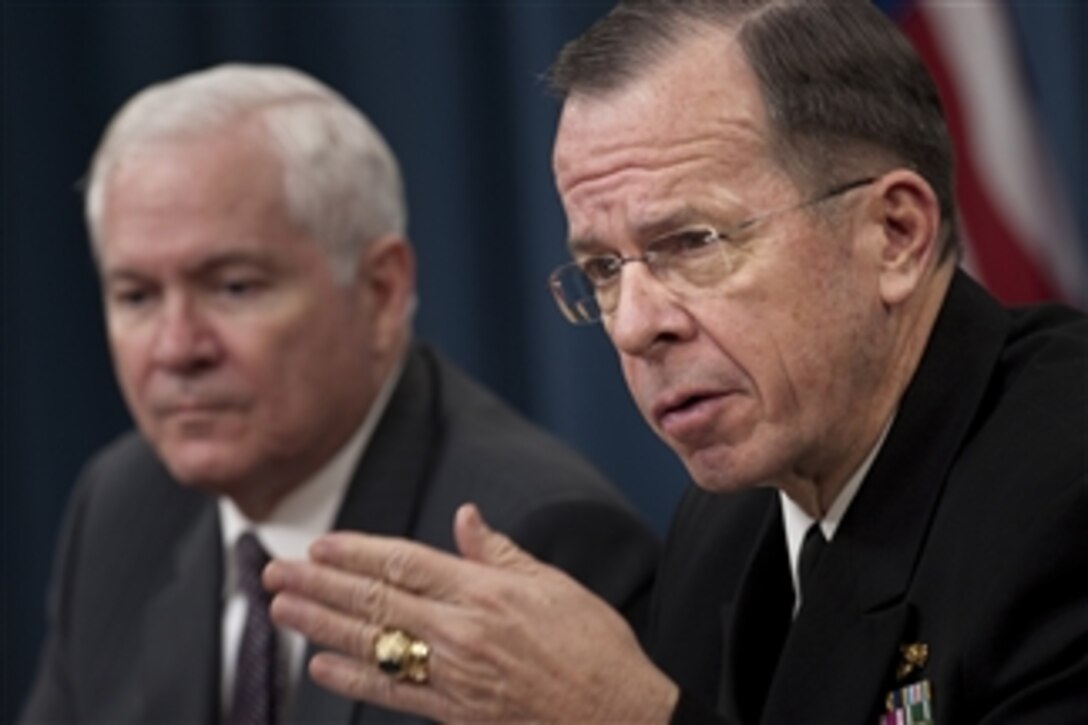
x=242, y=361
x=763, y=378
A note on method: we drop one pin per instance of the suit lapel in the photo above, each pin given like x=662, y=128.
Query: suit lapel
x=756, y=622
x=383, y=498
x=843, y=647
x=389, y=482
x=179, y=667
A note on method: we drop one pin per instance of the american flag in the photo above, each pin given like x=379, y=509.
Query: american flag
x=1017, y=220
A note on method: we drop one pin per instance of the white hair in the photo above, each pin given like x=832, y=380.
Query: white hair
x=342, y=183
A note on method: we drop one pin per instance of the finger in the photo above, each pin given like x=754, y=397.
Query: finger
x=354, y=642
x=349, y=593
x=324, y=626
x=406, y=564
x=352, y=626
x=480, y=543
x=358, y=681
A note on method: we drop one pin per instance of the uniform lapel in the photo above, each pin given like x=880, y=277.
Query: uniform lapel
x=179, y=667
x=383, y=498
x=838, y=660
x=756, y=622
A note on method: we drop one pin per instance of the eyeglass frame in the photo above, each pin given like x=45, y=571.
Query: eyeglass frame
x=578, y=316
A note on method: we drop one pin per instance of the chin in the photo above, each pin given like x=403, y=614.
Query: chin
x=214, y=471
x=722, y=471
x=718, y=482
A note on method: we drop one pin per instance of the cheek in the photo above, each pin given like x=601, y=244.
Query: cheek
x=819, y=345
x=629, y=366
x=269, y=365
x=640, y=387
x=303, y=368
x=131, y=362
x=757, y=341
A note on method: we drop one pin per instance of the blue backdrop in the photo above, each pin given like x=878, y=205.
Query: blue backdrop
x=455, y=87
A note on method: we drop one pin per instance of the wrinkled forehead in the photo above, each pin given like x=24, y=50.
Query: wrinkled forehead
x=704, y=89
x=689, y=133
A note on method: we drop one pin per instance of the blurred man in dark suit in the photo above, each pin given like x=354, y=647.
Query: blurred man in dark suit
x=249, y=229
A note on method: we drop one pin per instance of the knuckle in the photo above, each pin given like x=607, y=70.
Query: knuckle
x=477, y=698
x=354, y=681
x=368, y=598
x=467, y=638
x=360, y=642
x=383, y=690
x=397, y=566
x=497, y=596
x=362, y=685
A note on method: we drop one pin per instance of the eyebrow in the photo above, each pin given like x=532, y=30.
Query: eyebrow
x=234, y=259
x=205, y=267
x=647, y=231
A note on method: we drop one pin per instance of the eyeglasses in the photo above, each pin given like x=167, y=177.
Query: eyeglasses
x=686, y=262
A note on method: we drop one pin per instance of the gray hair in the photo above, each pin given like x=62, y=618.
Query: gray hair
x=342, y=183
x=845, y=92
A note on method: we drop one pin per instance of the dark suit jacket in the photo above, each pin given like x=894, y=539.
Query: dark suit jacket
x=135, y=600
x=969, y=535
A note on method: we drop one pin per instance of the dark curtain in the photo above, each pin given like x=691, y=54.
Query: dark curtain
x=456, y=89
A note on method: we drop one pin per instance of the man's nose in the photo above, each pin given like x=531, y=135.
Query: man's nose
x=647, y=313
x=184, y=339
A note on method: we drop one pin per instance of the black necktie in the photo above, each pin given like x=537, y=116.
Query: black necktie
x=811, y=550
x=256, y=686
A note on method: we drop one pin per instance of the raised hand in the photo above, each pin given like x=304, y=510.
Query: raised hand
x=507, y=637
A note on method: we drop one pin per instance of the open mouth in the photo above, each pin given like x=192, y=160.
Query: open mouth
x=682, y=401
x=686, y=404
x=693, y=416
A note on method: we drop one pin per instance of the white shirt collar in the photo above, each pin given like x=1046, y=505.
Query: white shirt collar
x=797, y=522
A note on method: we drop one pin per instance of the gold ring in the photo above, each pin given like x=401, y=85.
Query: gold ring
x=401, y=655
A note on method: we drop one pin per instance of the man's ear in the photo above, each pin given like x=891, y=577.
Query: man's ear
x=386, y=274
x=908, y=214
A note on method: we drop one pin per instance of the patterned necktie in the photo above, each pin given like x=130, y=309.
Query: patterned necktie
x=811, y=550
x=256, y=683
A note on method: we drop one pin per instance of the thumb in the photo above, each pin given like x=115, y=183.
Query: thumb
x=479, y=542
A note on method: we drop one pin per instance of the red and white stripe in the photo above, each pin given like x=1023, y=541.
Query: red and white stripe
x=1018, y=227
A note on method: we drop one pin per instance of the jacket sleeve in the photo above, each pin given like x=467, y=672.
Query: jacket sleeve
x=51, y=697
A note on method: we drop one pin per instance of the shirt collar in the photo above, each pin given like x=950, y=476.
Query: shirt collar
x=797, y=522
